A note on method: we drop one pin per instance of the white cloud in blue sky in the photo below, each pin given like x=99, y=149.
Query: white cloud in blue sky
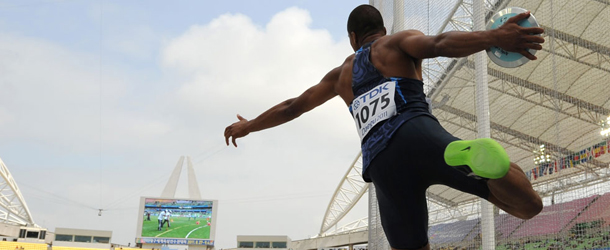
x=89, y=121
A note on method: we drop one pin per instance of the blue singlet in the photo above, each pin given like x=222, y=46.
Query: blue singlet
x=409, y=97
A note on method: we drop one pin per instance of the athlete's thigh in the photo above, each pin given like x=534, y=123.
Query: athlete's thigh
x=435, y=140
x=401, y=196
x=403, y=211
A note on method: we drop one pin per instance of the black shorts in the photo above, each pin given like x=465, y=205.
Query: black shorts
x=401, y=173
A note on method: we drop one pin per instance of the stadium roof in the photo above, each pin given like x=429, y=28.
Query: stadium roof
x=557, y=101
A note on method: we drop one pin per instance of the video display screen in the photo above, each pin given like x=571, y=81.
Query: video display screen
x=177, y=218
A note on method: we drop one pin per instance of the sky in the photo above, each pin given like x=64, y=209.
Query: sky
x=99, y=99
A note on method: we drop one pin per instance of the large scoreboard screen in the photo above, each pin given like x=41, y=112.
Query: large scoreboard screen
x=176, y=221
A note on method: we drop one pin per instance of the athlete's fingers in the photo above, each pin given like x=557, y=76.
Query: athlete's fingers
x=519, y=17
x=227, y=135
x=533, y=46
x=533, y=30
x=534, y=39
x=527, y=54
x=234, y=143
x=240, y=118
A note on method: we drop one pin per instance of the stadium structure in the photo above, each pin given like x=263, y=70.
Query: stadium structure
x=14, y=212
x=551, y=115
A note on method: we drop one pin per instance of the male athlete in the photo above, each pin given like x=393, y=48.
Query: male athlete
x=168, y=218
x=404, y=148
x=161, y=218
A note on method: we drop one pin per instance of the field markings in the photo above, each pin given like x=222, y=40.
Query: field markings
x=194, y=231
x=171, y=230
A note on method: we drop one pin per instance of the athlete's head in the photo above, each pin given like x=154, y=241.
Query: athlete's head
x=365, y=20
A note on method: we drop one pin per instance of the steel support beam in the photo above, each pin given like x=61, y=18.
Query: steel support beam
x=596, y=112
x=520, y=135
x=558, y=34
x=456, y=63
x=13, y=209
x=348, y=193
x=606, y=2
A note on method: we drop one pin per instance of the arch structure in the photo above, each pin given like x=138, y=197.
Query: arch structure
x=348, y=193
x=13, y=209
x=559, y=101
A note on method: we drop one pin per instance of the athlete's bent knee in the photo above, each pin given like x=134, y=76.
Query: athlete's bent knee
x=531, y=208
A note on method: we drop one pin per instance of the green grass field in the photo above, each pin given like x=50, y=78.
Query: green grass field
x=180, y=227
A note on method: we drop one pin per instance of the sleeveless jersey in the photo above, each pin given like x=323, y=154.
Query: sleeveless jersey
x=409, y=99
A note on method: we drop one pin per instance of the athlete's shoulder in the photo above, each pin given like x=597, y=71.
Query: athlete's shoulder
x=344, y=68
x=400, y=36
x=407, y=33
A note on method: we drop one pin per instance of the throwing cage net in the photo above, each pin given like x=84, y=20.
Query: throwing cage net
x=551, y=115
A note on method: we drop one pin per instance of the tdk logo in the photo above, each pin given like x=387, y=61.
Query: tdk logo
x=376, y=91
x=356, y=104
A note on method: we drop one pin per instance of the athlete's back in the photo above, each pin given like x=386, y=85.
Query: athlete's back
x=388, y=58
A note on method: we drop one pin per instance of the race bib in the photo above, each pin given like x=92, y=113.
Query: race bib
x=373, y=107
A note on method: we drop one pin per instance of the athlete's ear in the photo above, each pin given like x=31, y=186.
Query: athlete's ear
x=385, y=31
x=352, y=41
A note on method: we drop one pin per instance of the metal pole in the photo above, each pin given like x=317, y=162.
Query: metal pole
x=483, y=121
x=399, y=16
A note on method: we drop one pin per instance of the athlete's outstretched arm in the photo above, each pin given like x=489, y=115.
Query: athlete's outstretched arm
x=510, y=37
x=286, y=110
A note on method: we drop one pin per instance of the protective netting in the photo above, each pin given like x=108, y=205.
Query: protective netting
x=551, y=115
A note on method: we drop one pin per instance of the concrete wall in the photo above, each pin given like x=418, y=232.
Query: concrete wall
x=10, y=230
x=264, y=238
x=73, y=231
x=332, y=241
x=82, y=232
x=80, y=244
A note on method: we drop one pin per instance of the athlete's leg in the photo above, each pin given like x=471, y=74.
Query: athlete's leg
x=403, y=210
x=514, y=194
x=509, y=189
x=401, y=176
x=511, y=192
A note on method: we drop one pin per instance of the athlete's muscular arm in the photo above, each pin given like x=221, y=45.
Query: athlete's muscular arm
x=510, y=36
x=287, y=110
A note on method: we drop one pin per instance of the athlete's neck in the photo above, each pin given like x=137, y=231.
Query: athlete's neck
x=370, y=38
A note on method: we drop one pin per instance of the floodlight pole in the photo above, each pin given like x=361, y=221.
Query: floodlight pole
x=483, y=121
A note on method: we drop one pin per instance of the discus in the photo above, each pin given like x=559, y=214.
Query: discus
x=502, y=57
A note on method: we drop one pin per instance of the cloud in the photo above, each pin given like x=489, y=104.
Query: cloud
x=50, y=109
x=232, y=57
x=232, y=65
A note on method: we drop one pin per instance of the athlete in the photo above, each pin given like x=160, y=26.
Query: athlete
x=161, y=218
x=168, y=217
x=404, y=148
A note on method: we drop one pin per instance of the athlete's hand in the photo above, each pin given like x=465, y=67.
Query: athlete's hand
x=236, y=130
x=514, y=38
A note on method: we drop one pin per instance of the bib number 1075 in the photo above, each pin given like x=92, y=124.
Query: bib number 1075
x=373, y=107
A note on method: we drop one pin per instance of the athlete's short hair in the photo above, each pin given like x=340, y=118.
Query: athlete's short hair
x=365, y=20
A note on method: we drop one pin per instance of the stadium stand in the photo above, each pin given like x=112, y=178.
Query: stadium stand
x=76, y=248
x=590, y=215
x=476, y=232
x=452, y=232
x=505, y=224
x=553, y=219
x=12, y=245
x=434, y=230
x=597, y=211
